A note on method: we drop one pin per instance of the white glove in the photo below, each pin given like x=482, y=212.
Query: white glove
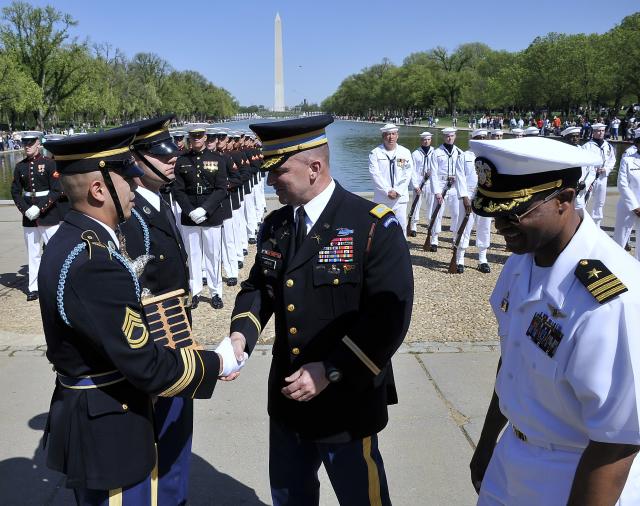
x=198, y=215
x=230, y=363
x=32, y=213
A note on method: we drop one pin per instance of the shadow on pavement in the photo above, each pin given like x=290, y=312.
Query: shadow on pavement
x=208, y=486
x=15, y=279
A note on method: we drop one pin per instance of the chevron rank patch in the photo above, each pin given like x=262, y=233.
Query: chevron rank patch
x=600, y=281
x=380, y=210
x=134, y=329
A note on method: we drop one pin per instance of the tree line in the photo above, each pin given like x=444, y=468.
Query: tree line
x=556, y=72
x=48, y=77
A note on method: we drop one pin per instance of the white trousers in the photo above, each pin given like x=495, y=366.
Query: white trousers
x=239, y=232
x=229, y=252
x=483, y=235
x=250, y=214
x=263, y=200
x=427, y=199
x=400, y=210
x=33, y=237
x=259, y=200
x=598, y=196
x=522, y=474
x=177, y=212
x=204, y=247
x=451, y=203
x=626, y=221
x=244, y=237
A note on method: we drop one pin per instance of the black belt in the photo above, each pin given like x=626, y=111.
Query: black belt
x=200, y=191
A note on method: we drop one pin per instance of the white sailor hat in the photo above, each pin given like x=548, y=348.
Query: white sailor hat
x=30, y=134
x=53, y=137
x=211, y=132
x=426, y=134
x=531, y=131
x=570, y=131
x=196, y=128
x=512, y=171
x=636, y=133
x=479, y=132
x=449, y=130
x=497, y=131
x=517, y=131
x=598, y=126
x=389, y=127
x=178, y=134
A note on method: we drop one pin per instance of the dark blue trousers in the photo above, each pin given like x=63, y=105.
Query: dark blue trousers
x=140, y=494
x=355, y=469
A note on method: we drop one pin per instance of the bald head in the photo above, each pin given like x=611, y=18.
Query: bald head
x=76, y=186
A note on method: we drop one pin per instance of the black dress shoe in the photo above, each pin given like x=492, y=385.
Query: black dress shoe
x=245, y=252
x=413, y=233
x=32, y=296
x=232, y=281
x=240, y=264
x=484, y=268
x=252, y=240
x=195, y=300
x=204, y=281
x=627, y=247
x=216, y=302
x=459, y=268
x=433, y=248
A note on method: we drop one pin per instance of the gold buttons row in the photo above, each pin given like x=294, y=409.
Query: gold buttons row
x=291, y=308
x=293, y=331
x=295, y=351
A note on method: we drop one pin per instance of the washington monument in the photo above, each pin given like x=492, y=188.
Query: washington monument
x=278, y=104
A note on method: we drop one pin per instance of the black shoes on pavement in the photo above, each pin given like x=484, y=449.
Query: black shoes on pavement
x=484, y=268
x=32, y=296
x=216, y=302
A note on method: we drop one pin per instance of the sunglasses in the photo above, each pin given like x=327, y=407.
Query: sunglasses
x=517, y=218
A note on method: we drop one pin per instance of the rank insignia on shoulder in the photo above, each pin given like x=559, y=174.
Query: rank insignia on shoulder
x=599, y=281
x=380, y=210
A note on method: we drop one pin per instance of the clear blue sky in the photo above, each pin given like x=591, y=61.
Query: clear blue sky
x=231, y=43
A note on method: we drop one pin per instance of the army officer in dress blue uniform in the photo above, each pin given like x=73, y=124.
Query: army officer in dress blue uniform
x=100, y=429
x=152, y=230
x=568, y=309
x=335, y=270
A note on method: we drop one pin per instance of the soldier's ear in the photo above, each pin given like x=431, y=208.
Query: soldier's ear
x=98, y=190
x=314, y=168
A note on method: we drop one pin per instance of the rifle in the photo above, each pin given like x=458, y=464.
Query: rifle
x=453, y=268
x=415, y=201
x=434, y=214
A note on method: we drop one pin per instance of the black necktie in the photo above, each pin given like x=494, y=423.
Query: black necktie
x=392, y=166
x=165, y=209
x=301, y=227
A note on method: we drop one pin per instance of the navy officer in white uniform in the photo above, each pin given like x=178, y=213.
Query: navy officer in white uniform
x=568, y=309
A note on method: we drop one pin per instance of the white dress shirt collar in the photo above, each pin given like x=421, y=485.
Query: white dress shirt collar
x=112, y=232
x=313, y=209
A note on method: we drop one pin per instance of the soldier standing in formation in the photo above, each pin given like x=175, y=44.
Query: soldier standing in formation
x=200, y=188
x=420, y=159
x=35, y=190
x=628, y=207
x=446, y=167
x=607, y=154
x=322, y=268
x=467, y=189
x=390, y=167
x=100, y=431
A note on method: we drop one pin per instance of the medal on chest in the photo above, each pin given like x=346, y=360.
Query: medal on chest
x=545, y=333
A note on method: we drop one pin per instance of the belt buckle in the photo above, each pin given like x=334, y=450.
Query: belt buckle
x=198, y=189
x=520, y=435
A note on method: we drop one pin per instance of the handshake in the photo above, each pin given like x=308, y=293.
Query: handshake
x=230, y=361
x=32, y=213
x=198, y=215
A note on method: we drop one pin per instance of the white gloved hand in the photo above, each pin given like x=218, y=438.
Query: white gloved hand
x=230, y=363
x=200, y=220
x=198, y=215
x=32, y=213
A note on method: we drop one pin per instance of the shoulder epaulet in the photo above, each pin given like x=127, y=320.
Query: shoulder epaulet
x=380, y=210
x=599, y=281
x=91, y=239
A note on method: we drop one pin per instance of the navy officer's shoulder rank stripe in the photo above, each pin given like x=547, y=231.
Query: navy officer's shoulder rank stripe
x=599, y=280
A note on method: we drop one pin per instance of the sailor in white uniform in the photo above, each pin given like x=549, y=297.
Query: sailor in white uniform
x=391, y=169
x=607, y=154
x=518, y=133
x=571, y=135
x=420, y=158
x=628, y=207
x=446, y=166
x=567, y=304
x=482, y=223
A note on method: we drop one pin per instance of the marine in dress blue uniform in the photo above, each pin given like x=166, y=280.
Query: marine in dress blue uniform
x=152, y=230
x=568, y=310
x=35, y=191
x=335, y=271
x=100, y=428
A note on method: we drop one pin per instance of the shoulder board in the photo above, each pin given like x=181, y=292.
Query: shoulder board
x=91, y=239
x=599, y=281
x=380, y=210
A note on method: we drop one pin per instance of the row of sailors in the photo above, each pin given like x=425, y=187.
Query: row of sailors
x=447, y=175
x=217, y=198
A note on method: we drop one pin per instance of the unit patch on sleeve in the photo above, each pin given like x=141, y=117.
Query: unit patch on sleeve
x=380, y=210
x=599, y=281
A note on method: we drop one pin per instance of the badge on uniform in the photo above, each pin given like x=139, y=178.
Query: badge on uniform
x=146, y=210
x=545, y=333
x=340, y=250
x=210, y=165
x=344, y=231
x=41, y=168
x=390, y=220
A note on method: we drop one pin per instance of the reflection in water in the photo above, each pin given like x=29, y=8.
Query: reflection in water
x=350, y=143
